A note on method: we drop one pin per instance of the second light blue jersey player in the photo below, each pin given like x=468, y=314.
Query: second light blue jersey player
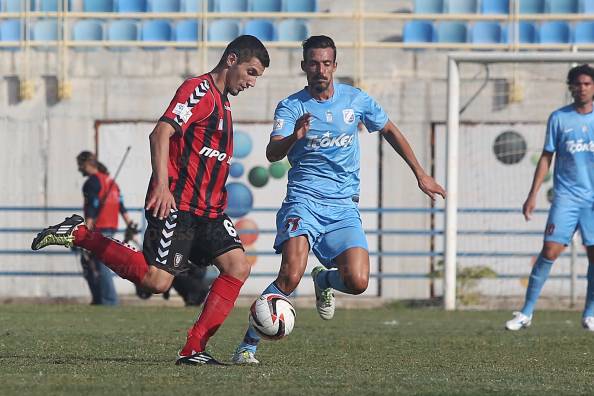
x=571, y=136
x=325, y=165
x=570, y=139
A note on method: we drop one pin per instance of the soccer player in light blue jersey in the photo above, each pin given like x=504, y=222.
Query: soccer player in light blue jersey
x=570, y=136
x=317, y=129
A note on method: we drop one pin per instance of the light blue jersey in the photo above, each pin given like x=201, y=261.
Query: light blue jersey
x=571, y=136
x=325, y=164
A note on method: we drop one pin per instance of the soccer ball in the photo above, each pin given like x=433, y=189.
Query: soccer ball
x=272, y=316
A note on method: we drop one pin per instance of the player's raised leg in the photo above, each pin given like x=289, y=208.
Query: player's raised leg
x=124, y=260
x=343, y=246
x=295, y=251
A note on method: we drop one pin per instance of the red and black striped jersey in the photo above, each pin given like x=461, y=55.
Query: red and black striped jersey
x=200, y=150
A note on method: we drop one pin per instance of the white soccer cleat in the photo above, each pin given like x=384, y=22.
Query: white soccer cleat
x=325, y=301
x=520, y=321
x=244, y=357
x=588, y=323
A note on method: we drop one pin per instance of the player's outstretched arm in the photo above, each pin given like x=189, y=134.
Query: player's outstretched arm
x=160, y=199
x=279, y=146
x=542, y=168
x=426, y=183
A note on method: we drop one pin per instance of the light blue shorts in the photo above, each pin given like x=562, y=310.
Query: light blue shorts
x=330, y=230
x=565, y=218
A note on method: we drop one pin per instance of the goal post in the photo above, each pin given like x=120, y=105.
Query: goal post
x=452, y=143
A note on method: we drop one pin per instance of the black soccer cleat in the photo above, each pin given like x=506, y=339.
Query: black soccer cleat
x=199, y=358
x=59, y=234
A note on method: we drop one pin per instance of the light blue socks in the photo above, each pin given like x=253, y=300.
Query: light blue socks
x=589, y=308
x=538, y=276
x=331, y=278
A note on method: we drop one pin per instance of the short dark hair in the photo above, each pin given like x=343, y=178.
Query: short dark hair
x=318, y=42
x=247, y=47
x=577, y=71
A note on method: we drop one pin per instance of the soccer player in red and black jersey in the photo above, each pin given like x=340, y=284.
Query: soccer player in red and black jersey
x=191, y=147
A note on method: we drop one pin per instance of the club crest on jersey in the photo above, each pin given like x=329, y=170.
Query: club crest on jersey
x=183, y=111
x=348, y=115
x=278, y=124
x=177, y=259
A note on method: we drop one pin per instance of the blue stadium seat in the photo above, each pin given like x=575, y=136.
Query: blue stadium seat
x=556, y=32
x=495, y=7
x=418, y=32
x=187, y=31
x=223, y=30
x=15, y=6
x=428, y=6
x=87, y=30
x=156, y=30
x=45, y=30
x=122, y=30
x=528, y=33
x=52, y=5
x=461, y=6
x=292, y=30
x=563, y=6
x=163, y=6
x=195, y=5
x=231, y=5
x=300, y=6
x=486, y=33
x=48, y=5
x=584, y=33
x=262, y=29
x=532, y=6
x=452, y=32
x=265, y=5
x=98, y=6
x=587, y=6
x=131, y=6
x=10, y=30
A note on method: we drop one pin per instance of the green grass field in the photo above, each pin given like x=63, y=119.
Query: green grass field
x=84, y=350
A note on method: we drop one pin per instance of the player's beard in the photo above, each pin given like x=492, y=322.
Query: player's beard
x=320, y=86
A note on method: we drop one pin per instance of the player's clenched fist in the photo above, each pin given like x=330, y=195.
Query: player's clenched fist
x=302, y=126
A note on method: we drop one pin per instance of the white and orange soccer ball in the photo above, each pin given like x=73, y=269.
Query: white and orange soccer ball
x=272, y=316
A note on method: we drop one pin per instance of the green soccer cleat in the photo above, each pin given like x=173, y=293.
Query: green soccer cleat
x=59, y=234
x=325, y=302
x=244, y=356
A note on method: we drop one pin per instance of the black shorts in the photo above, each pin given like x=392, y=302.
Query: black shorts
x=169, y=244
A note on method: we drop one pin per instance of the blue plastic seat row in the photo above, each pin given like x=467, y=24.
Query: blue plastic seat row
x=482, y=32
x=159, y=30
x=503, y=6
x=168, y=5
